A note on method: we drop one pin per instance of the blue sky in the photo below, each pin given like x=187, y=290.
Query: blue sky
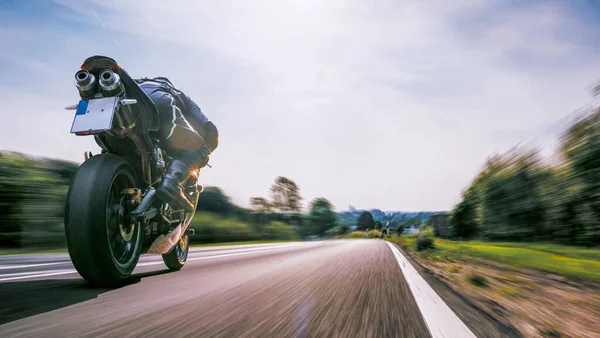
x=387, y=104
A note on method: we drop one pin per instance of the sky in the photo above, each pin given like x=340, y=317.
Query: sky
x=382, y=104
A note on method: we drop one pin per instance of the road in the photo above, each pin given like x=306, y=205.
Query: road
x=351, y=288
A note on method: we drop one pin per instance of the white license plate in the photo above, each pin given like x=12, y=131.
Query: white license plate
x=94, y=116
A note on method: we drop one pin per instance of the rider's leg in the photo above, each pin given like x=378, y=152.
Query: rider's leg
x=182, y=142
x=171, y=189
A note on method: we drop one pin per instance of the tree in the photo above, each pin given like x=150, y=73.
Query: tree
x=462, y=218
x=341, y=230
x=285, y=195
x=38, y=186
x=567, y=210
x=213, y=199
x=519, y=197
x=321, y=216
x=440, y=224
x=260, y=205
x=365, y=221
x=512, y=201
x=581, y=148
x=378, y=225
x=399, y=229
x=261, y=209
x=507, y=200
x=411, y=223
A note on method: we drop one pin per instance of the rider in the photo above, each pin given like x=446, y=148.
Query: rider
x=185, y=133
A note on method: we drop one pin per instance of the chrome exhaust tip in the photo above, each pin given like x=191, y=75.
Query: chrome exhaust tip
x=110, y=83
x=85, y=81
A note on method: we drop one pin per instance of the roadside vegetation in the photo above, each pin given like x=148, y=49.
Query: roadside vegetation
x=523, y=244
x=527, y=211
x=571, y=262
x=532, y=287
x=33, y=192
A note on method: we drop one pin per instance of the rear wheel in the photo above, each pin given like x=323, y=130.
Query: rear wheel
x=104, y=244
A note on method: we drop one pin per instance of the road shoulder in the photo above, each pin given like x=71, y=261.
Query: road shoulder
x=475, y=318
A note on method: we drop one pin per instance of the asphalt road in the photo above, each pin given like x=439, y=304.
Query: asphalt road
x=351, y=288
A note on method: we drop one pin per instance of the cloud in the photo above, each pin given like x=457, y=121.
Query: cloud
x=376, y=104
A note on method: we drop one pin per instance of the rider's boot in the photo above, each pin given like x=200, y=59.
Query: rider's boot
x=171, y=189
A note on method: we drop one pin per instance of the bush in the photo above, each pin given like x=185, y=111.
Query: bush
x=374, y=234
x=478, y=280
x=279, y=230
x=211, y=228
x=425, y=239
x=340, y=230
x=425, y=243
x=32, y=199
x=357, y=234
x=214, y=200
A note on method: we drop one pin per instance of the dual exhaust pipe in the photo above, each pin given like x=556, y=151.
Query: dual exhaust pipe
x=109, y=82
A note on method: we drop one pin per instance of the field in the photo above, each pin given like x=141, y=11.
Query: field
x=571, y=262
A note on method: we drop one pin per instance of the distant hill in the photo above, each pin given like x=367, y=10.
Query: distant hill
x=393, y=218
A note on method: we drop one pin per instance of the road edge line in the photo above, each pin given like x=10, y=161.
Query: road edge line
x=439, y=318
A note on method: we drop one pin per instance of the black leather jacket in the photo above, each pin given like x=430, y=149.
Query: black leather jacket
x=190, y=110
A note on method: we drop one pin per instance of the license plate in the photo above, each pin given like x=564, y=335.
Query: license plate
x=94, y=116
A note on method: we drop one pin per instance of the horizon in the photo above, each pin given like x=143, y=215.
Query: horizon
x=349, y=208
x=383, y=106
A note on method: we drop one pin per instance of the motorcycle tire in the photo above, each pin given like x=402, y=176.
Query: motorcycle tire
x=176, y=258
x=103, y=249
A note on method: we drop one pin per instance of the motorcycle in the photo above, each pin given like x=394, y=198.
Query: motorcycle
x=112, y=215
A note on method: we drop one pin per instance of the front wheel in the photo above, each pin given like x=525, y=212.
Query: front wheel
x=103, y=243
x=175, y=260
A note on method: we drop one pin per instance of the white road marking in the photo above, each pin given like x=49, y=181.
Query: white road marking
x=223, y=255
x=242, y=253
x=8, y=266
x=207, y=249
x=247, y=247
x=440, y=319
x=25, y=273
x=64, y=272
x=40, y=275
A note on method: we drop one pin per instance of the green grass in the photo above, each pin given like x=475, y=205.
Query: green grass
x=562, y=260
x=507, y=291
x=567, y=261
x=455, y=268
x=563, y=250
x=408, y=242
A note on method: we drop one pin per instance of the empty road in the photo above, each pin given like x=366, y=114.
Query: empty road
x=351, y=288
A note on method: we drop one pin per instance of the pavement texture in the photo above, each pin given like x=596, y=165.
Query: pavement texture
x=347, y=288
